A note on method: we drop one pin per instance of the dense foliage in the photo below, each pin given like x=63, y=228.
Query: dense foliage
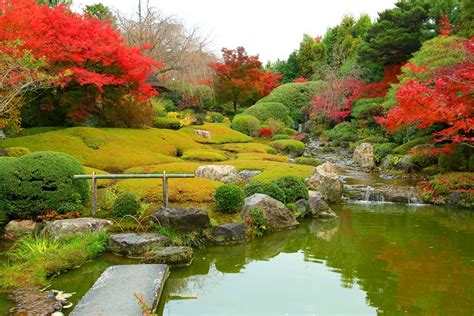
x=41, y=182
x=270, y=110
x=229, y=198
x=293, y=187
x=126, y=203
x=268, y=188
x=246, y=124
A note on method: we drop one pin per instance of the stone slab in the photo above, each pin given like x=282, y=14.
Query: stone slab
x=114, y=292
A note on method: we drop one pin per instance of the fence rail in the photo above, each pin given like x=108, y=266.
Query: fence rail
x=164, y=176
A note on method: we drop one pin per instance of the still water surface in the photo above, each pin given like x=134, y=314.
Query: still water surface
x=376, y=259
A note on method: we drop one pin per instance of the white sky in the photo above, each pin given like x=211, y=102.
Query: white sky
x=270, y=28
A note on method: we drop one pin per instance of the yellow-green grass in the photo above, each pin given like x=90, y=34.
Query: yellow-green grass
x=203, y=155
x=248, y=148
x=221, y=134
x=111, y=149
x=174, y=167
x=271, y=169
x=193, y=190
x=260, y=156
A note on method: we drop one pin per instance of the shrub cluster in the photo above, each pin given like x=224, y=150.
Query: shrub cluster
x=288, y=147
x=309, y=161
x=41, y=182
x=126, y=203
x=268, y=188
x=229, y=198
x=167, y=123
x=270, y=110
x=216, y=117
x=280, y=137
x=293, y=187
x=382, y=150
x=246, y=124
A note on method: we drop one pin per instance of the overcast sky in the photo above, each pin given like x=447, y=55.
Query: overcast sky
x=270, y=28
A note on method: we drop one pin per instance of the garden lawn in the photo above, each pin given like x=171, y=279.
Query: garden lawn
x=221, y=134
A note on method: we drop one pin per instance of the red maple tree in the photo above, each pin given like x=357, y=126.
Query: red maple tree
x=239, y=76
x=445, y=99
x=79, y=50
x=380, y=89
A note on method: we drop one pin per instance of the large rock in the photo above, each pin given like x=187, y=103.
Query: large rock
x=405, y=163
x=63, y=227
x=277, y=216
x=226, y=174
x=318, y=207
x=136, y=245
x=364, y=155
x=15, y=229
x=175, y=256
x=229, y=232
x=181, y=219
x=325, y=180
x=203, y=133
x=247, y=175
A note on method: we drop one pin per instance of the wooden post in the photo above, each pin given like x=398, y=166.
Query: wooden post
x=165, y=189
x=94, y=194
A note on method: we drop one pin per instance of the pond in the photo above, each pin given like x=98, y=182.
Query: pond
x=377, y=258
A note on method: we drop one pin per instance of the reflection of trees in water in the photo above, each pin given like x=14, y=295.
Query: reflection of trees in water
x=387, y=253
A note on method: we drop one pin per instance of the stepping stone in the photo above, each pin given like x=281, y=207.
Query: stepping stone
x=116, y=291
x=135, y=245
x=175, y=256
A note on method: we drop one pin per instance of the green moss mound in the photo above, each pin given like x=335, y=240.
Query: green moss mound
x=41, y=182
x=246, y=124
x=166, y=122
x=293, y=188
x=268, y=188
x=249, y=148
x=288, y=147
x=203, y=155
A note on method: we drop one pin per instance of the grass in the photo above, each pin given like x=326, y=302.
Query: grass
x=271, y=169
x=197, y=190
x=249, y=148
x=174, y=167
x=203, y=155
x=102, y=183
x=221, y=134
x=32, y=261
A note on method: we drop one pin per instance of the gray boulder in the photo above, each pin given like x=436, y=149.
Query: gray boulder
x=364, y=155
x=325, y=180
x=175, y=256
x=18, y=228
x=136, y=245
x=229, y=232
x=64, y=227
x=247, y=175
x=181, y=219
x=315, y=207
x=277, y=216
x=225, y=174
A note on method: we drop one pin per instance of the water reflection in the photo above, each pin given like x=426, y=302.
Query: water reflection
x=377, y=258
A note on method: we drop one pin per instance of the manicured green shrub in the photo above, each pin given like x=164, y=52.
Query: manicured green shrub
x=277, y=127
x=293, y=187
x=256, y=219
x=342, y=132
x=290, y=131
x=383, y=150
x=229, y=198
x=246, y=124
x=270, y=110
x=203, y=155
x=460, y=159
x=167, y=122
x=17, y=151
x=422, y=160
x=405, y=148
x=126, y=203
x=216, y=117
x=309, y=161
x=294, y=95
x=288, y=147
x=41, y=182
x=267, y=188
x=280, y=136
x=373, y=140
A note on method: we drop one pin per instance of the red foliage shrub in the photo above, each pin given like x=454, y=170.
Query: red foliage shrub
x=300, y=80
x=266, y=132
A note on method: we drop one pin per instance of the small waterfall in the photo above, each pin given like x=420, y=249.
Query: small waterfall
x=300, y=128
x=373, y=195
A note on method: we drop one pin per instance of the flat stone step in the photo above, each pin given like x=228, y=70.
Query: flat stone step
x=114, y=293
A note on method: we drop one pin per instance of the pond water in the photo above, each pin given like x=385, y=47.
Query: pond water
x=376, y=259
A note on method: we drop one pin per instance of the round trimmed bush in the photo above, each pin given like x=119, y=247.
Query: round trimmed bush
x=294, y=95
x=280, y=136
x=229, y=198
x=288, y=147
x=268, y=188
x=167, y=122
x=246, y=124
x=270, y=110
x=216, y=117
x=41, y=182
x=293, y=188
x=126, y=203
